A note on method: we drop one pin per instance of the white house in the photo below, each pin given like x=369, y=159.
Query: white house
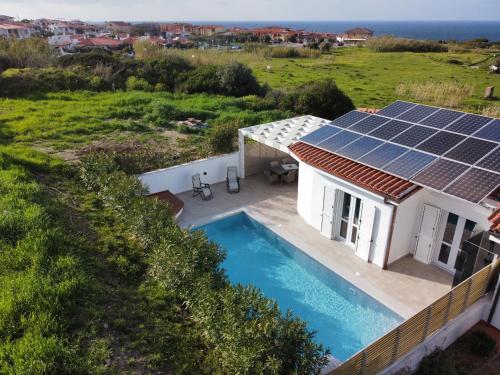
x=411, y=180
x=17, y=30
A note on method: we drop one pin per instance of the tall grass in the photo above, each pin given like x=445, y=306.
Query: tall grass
x=444, y=94
x=491, y=111
x=393, y=44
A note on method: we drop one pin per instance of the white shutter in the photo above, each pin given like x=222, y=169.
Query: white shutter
x=329, y=194
x=365, y=231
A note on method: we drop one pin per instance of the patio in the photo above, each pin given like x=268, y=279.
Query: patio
x=406, y=287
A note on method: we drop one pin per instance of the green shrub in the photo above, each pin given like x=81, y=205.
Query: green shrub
x=134, y=83
x=323, y=99
x=26, y=53
x=202, y=79
x=236, y=79
x=393, y=44
x=222, y=137
x=237, y=329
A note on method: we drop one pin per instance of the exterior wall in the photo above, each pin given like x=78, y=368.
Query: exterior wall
x=178, y=179
x=310, y=206
x=443, y=337
x=409, y=214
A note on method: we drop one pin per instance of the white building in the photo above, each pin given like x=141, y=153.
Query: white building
x=17, y=30
x=392, y=188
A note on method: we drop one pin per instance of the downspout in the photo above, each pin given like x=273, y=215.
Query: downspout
x=389, y=239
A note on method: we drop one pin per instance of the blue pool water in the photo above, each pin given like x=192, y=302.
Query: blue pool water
x=345, y=318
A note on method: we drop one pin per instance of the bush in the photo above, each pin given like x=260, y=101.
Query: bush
x=222, y=138
x=323, y=99
x=480, y=344
x=393, y=44
x=18, y=82
x=238, y=329
x=134, y=83
x=202, y=79
x=89, y=59
x=26, y=53
x=437, y=363
x=236, y=79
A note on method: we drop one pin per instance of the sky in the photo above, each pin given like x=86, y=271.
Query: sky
x=253, y=10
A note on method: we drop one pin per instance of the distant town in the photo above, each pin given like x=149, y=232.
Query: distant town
x=72, y=35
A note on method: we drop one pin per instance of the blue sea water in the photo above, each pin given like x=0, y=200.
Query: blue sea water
x=434, y=30
x=346, y=319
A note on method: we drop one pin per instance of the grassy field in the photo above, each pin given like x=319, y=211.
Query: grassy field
x=369, y=78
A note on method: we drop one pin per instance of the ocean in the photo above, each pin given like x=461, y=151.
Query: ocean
x=435, y=30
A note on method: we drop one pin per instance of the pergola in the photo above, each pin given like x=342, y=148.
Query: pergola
x=278, y=135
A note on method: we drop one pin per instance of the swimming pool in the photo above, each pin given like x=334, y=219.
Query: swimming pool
x=345, y=318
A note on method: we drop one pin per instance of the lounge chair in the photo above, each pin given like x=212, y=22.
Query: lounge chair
x=271, y=177
x=275, y=163
x=202, y=189
x=232, y=180
x=289, y=177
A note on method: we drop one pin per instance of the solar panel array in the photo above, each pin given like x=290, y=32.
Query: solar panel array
x=449, y=151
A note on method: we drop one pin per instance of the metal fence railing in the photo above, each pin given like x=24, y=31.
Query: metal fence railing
x=401, y=340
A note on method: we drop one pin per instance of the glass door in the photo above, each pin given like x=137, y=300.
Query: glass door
x=456, y=231
x=349, y=219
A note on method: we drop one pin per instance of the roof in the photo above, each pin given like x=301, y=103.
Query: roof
x=14, y=26
x=494, y=219
x=359, y=30
x=369, y=178
x=281, y=134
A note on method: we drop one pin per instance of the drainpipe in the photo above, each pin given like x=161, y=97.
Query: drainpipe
x=391, y=232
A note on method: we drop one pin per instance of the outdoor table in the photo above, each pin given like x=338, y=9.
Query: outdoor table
x=290, y=167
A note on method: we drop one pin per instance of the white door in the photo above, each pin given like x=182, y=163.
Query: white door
x=456, y=231
x=427, y=233
x=349, y=218
x=327, y=214
x=365, y=232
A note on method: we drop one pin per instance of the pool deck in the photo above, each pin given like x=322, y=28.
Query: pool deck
x=406, y=287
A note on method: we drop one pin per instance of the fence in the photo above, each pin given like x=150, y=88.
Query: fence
x=401, y=340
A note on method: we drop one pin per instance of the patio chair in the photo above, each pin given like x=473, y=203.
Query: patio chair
x=201, y=189
x=232, y=180
x=271, y=177
x=274, y=163
x=288, y=161
x=289, y=177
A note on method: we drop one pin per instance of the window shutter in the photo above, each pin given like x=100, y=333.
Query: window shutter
x=365, y=231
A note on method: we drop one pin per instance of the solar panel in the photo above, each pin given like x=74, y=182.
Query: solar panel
x=409, y=164
x=383, y=155
x=396, y=108
x=490, y=131
x=359, y=147
x=390, y=130
x=475, y=185
x=440, y=174
x=441, y=119
x=417, y=113
x=470, y=150
x=441, y=142
x=320, y=135
x=338, y=141
x=492, y=161
x=468, y=124
x=413, y=136
x=349, y=119
x=368, y=124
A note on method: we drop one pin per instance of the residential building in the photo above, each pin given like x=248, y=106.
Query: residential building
x=275, y=33
x=4, y=18
x=208, y=30
x=426, y=193
x=356, y=36
x=17, y=30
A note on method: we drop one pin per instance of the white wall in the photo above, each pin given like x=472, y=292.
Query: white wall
x=409, y=213
x=178, y=179
x=310, y=206
x=442, y=338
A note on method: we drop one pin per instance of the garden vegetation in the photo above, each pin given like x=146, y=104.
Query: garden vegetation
x=394, y=44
